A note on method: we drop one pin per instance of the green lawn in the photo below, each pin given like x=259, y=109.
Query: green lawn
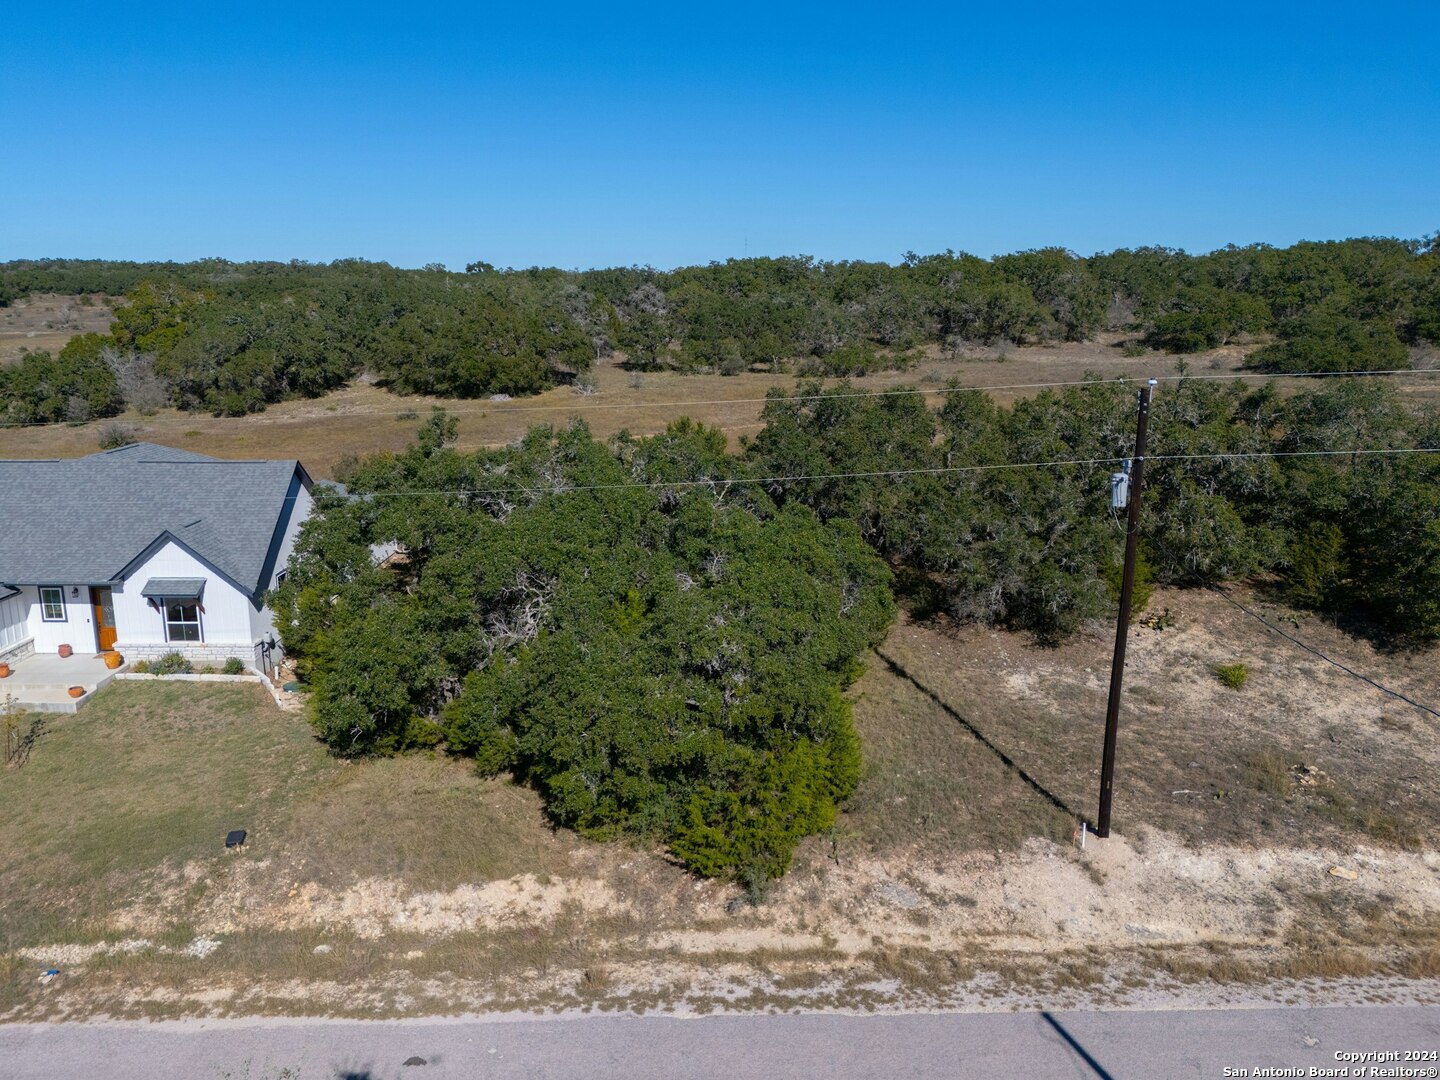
x=145, y=774
x=149, y=777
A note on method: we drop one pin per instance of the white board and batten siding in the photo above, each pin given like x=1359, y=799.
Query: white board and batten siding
x=225, y=614
x=14, y=621
x=77, y=629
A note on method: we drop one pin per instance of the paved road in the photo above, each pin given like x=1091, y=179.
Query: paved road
x=1083, y=1045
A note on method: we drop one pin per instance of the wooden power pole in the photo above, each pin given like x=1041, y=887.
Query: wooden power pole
x=1122, y=626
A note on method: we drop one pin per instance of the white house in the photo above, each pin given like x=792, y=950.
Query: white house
x=146, y=549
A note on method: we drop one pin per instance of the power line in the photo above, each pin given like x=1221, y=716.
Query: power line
x=711, y=482
x=1316, y=652
x=589, y=406
x=921, y=391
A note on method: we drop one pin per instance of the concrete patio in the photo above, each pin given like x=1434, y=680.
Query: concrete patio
x=41, y=682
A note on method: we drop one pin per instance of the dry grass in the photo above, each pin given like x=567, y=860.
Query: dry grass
x=148, y=779
x=123, y=809
x=1269, y=773
x=934, y=778
x=427, y=820
x=1195, y=759
x=362, y=419
x=46, y=321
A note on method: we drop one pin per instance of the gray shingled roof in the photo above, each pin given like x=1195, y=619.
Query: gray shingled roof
x=83, y=520
x=148, y=451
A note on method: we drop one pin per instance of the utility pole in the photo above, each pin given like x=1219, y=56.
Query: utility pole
x=1122, y=626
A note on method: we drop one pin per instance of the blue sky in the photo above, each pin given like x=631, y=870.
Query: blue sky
x=615, y=134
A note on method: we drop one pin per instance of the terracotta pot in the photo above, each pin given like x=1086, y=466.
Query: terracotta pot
x=77, y=691
x=4, y=671
x=113, y=660
x=65, y=650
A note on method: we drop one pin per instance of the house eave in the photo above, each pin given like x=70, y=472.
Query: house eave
x=166, y=536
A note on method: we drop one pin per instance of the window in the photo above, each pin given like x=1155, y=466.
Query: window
x=280, y=579
x=182, y=620
x=52, y=603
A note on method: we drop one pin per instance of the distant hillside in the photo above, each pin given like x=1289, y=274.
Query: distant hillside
x=231, y=337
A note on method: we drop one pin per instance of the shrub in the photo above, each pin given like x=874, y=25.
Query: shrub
x=141, y=667
x=233, y=666
x=855, y=360
x=1317, y=565
x=1325, y=341
x=172, y=663
x=116, y=435
x=1232, y=675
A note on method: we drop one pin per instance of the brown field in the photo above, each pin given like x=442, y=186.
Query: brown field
x=362, y=419
x=45, y=322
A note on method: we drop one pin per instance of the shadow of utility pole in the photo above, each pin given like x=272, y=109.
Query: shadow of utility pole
x=979, y=736
x=1071, y=1042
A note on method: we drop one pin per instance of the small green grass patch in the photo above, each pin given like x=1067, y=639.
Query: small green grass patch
x=1232, y=675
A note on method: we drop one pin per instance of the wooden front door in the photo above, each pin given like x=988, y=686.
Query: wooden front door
x=103, y=601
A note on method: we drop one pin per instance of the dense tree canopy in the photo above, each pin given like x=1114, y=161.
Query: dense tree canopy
x=1029, y=547
x=663, y=661
x=230, y=337
x=75, y=386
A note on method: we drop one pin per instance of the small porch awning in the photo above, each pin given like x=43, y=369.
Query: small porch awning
x=7, y=591
x=173, y=588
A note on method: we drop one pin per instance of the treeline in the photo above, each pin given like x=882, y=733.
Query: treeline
x=231, y=337
x=1241, y=481
x=656, y=633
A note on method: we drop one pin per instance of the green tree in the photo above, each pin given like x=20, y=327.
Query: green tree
x=663, y=661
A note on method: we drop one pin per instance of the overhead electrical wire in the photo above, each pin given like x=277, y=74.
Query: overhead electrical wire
x=724, y=481
x=1316, y=652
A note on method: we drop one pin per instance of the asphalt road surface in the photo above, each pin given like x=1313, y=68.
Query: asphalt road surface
x=1083, y=1045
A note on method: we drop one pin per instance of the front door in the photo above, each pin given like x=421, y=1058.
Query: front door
x=103, y=600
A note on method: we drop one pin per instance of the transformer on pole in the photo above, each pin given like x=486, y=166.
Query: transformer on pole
x=1120, y=488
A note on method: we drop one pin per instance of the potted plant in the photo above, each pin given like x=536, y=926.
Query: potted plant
x=65, y=651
